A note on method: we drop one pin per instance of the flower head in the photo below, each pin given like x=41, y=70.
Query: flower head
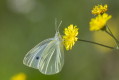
x=99, y=22
x=70, y=36
x=20, y=76
x=99, y=9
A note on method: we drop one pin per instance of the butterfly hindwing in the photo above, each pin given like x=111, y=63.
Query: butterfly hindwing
x=52, y=59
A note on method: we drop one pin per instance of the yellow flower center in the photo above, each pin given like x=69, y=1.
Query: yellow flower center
x=70, y=36
x=99, y=22
x=99, y=9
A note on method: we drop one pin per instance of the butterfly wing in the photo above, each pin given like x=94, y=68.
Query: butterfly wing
x=52, y=59
x=32, y=57
x=47, y=56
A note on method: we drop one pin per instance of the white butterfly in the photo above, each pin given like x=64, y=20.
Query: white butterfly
x=47, y=56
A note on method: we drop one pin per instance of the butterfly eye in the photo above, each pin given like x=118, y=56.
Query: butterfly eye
x=37, y=57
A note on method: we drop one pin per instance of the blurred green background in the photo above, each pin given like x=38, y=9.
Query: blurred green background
x=24, y=23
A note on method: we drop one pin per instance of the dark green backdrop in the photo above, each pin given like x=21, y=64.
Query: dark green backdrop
x=24, y=23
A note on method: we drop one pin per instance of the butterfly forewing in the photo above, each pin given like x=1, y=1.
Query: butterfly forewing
x=32, y=57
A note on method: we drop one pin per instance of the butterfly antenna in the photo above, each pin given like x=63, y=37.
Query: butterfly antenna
x=59, y=26
x=56, y=24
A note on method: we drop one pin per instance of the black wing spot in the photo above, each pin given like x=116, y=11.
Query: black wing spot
x=37, y=57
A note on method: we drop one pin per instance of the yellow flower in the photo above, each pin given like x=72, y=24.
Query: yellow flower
x=99, y=22
x=99, y=9
x=70, y=36
x=20, y=76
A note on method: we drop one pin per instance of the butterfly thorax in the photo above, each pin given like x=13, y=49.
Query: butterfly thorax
x=58, y=37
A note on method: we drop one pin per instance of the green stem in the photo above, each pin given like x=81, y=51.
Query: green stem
x=96, y=43
x=111, y=34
